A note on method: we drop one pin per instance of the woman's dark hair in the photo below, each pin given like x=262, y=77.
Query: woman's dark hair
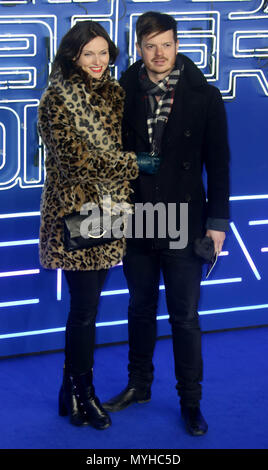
x=155, y=22
x=72, y=43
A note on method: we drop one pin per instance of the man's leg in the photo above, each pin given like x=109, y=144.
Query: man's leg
x=142, y=272
x=182, y=272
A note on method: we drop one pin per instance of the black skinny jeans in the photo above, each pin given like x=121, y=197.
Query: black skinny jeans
x=85, y=289
x=182, y=272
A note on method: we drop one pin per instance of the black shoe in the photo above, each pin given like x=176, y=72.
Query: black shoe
x=127, y=397
x=77, y=400
x=194, y=420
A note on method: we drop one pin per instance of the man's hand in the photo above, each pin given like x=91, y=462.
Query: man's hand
x=218, y=238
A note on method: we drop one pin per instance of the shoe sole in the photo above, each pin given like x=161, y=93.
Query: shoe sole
x=78, y=421
x=115, y=409
x=197, y=433
x=88, y=423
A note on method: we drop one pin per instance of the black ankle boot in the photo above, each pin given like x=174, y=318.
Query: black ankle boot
x=77, y=400
x=131, y=394
x=194, y=420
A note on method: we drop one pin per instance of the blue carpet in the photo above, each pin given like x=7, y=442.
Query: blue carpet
x=235, y=399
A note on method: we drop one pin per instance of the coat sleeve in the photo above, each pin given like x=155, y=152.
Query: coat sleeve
x=76, y=159
x=216, y=157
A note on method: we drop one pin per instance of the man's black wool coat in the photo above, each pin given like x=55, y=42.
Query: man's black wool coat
x=195, y=137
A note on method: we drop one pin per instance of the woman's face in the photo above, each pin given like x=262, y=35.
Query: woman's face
x=94, y=58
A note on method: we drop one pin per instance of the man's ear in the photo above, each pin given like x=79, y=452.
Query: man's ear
x=138, y=49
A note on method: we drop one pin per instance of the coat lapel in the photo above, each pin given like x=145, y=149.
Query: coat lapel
x=174, y=126
x=184, y=114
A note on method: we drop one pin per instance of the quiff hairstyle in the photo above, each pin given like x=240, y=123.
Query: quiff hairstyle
x=155, y=22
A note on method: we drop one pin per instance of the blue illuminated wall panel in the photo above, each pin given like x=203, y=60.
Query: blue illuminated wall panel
x=228, y=40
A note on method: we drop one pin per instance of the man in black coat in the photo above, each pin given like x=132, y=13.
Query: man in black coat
x=175, y=122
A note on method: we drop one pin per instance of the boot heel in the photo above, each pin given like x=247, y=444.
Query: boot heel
x=63, y=411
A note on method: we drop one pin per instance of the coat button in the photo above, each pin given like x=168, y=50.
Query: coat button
x=186, y=165
x=187, y=133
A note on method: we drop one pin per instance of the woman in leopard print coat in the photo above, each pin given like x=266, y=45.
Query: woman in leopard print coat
x=79, y=121
x=80, y=125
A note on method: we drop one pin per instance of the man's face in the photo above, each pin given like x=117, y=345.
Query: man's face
x=158, y=53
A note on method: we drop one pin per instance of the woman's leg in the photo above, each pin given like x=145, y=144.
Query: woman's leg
x=85, y=289
x=77, y=395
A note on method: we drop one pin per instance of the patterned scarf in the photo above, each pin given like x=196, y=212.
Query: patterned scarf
x=158, y=111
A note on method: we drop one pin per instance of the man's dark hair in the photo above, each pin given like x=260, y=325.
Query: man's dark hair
x=73, y=42
x=155, y=22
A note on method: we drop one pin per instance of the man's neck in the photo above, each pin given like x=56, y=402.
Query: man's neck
x=156, y=77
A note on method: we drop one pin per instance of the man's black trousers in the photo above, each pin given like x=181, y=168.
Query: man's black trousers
x=182, y=272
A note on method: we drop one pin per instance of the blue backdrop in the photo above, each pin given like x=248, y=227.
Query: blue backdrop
x=228, y=40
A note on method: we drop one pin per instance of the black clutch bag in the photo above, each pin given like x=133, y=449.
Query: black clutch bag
x=204, y=248
x=85, y=231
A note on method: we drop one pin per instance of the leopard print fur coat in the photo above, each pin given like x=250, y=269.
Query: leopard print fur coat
x=80, y=125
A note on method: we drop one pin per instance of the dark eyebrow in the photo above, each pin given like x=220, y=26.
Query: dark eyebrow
x=103, y=50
